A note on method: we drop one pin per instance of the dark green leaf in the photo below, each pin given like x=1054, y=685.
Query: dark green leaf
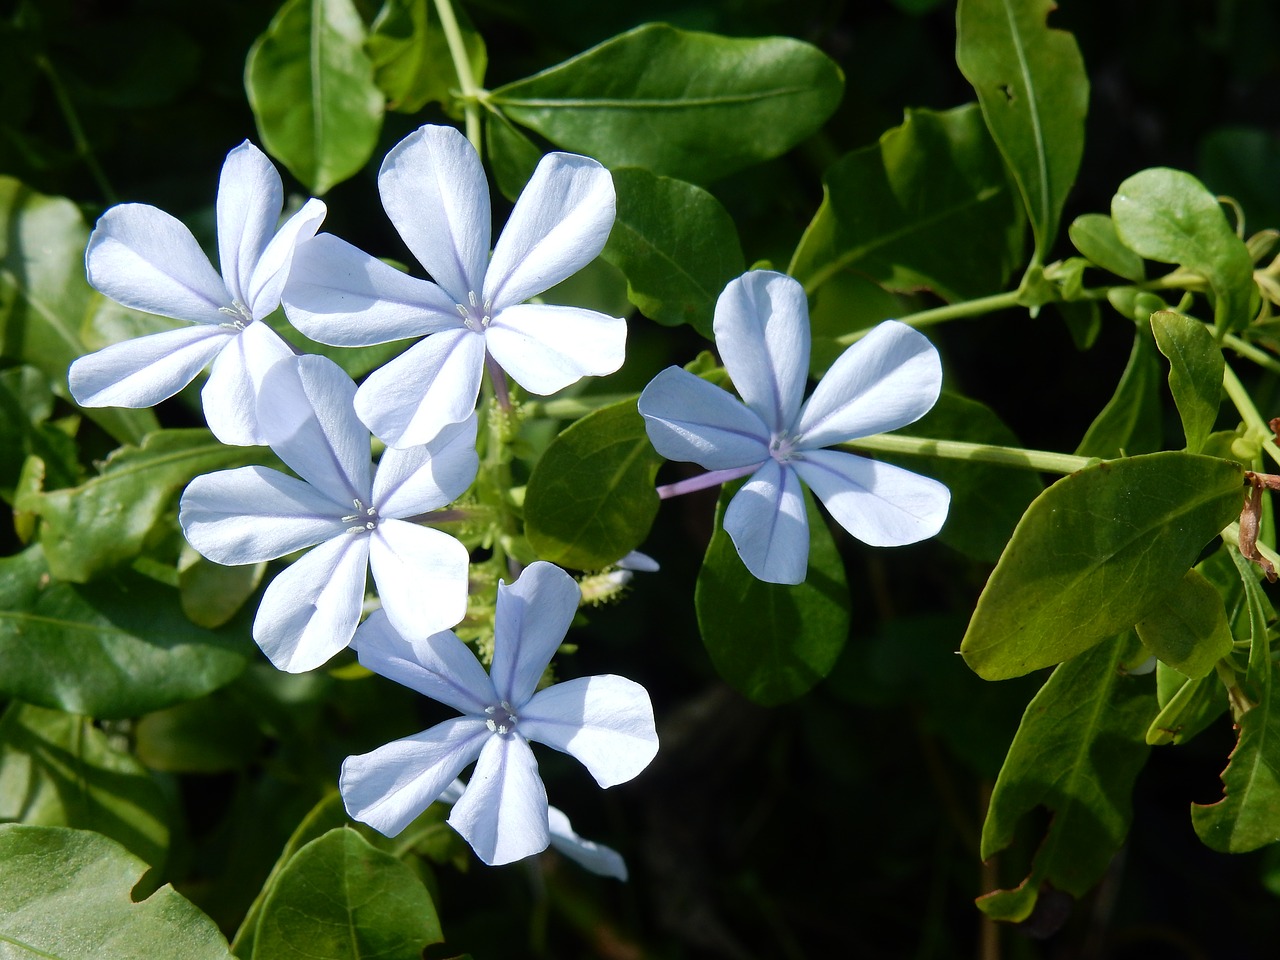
x=1094, y=235
x=897, y=211
x=772, y=641
x=25, y=404
x=1259, y=614
x=512, y=155
x=209, y=735
x=696, y=106
x=1189, y=630
x=1195, y=373
x=1132, y=421
x=677, y=246
x=1186, y=706
x=411, y=60
x=310, y=85
x=1094, y=554
x=1034, y=92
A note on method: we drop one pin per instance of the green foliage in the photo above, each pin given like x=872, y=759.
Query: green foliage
x=1189, y=631
x=1094, y=235
x=1131, y=421
x=411, y=57
x=1195, y=373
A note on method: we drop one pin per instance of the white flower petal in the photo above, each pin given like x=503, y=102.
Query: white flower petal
x=559, y=224
x=530, y=621
x=143, y=258
x=431, y=385
x=421, y=575
x=230, y=395
x=889, y=378
x=436, y=194
x=254, y=513
x=880, y=504
x=389, y=787
x=605, y=722
x=503, y=813
x=762, y=333
x=596, y=857
x=310, y=610
x=306, y=413
x=142, y=372
x=272, y=269
x=415, y=480
x=693, y=421
x=546, y=348
x=338, y=294
x=766, y=521
x=440, y=666
x=250, y=198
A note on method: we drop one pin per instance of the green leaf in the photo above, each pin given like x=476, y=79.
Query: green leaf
x=1077, y=752
x=210, y=735
x=1132, y=421
x=1195, y=373
x=1169, y=216
x=116, y=648
x=26, y=402
x=65, y=895
x=1094, y=235
x=210, y=593
x=1034, y=92
x=59, y=770
x=1094, y=554
x=411, y=60
x=695, y=106
x=338, y=898
x=1259, y=614
x=1248, y=815
x=104, y=522
x=45, y=299
x=1186, y=706
x=772, y=642
x=927, y=206
x=591, y=498
x=1189, y=631
x=310, y=85
x=677, y=246
x=512, y=155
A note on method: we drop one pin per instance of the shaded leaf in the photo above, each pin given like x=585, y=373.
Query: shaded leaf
x=1195, y=373
x=512, y=155
x=209, y=735
x=411, y=61
x=1132, y=421
x=1189, y=630
x=1186, y=706
x=25, y=404
x=1094, y=235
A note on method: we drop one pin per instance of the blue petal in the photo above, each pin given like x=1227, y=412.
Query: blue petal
x=767, y=523
x=691, y=420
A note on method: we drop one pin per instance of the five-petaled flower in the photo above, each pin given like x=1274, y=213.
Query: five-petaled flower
x=360, y=518
x=888, y=379
x=436, y=195
x=606, y=722
x=143, y=258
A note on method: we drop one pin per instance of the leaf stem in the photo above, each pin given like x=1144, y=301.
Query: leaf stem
x=462, y=64
x=1043, y=461
x=948, y=311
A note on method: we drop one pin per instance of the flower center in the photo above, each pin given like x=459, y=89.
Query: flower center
x=363, y=520
x=475, y=315
x=501, y=719
x=239, y=314
x=782, y=448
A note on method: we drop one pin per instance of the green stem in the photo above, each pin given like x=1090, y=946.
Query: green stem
x=1040, y=460
x=84, y=150
x=1248, y=412
x=462, y=64
x=948, y=311
x=1249, y=351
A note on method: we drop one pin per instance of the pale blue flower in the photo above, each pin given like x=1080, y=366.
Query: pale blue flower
x=606, y=722
x=354, y=516
x=889, y=378
x=434, y=190
x=143, y=258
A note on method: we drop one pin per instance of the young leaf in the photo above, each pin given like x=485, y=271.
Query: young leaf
x=310, y=85
x=1132, y=421
x=411, y=60
x=1077, y=752
x=677, y=246
x=1094, y=235
x=1094, y=554
x=1186, y=706
x=590, y=499
x=696, y=106
x=929, y=205
x=772, y=642
x=1034, y=92
x=66, y=895
x=1195, y=373
x=1189, y=630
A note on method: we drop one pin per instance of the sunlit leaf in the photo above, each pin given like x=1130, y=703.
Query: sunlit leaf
x=1195, y=373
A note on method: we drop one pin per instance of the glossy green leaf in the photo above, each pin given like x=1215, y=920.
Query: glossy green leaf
x=310, y=85
x=59, y=770
x=1132, y=421
x=896, y=211
x=696, y=106
x=772, y=642
x=1189, y=629
x=1094, y=235
x=26, y=402
x=512, y=155
x=338, y=898
x=1248, y=815
x=1186, y=706
x=104, y=522
x=1034, y=92
x=1077, y=752
x=411, y=60
x=1169, y=216
x=66, y=895
x=677, y=246
x=1094, y=554
x=591, y=498
x=1195, y=373
x=45, y=300
x=119, y=647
